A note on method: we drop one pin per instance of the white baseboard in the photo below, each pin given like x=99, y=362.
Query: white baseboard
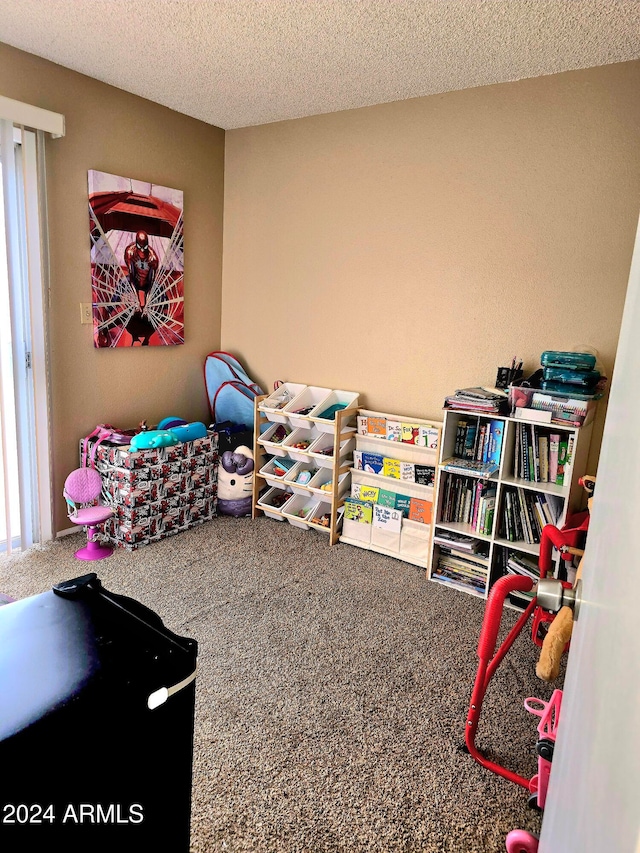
x=66, y=532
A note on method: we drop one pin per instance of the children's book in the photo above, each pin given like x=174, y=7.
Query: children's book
x=386, y=518
x=368, y=493
x=391, y=468
x=425, y=474
x=356, y=510
x=433, y=437
x=372, y=462
x=377, y=426
x=410, y=432
x=357, y=460
x=386, y=498
x=403, y=503
x=394, y=430
x=420, y=510
x=562, y=460
x=408, y=472
x=363, y=424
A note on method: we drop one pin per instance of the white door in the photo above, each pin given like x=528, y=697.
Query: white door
x=593, y=804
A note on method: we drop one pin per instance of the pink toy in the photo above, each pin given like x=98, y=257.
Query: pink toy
x=549, y=713
x=81, y=491
x=519, y=841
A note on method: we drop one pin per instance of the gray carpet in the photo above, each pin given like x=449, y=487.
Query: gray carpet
x=332, y=691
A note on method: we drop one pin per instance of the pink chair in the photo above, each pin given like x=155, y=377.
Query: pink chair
x=81, y=491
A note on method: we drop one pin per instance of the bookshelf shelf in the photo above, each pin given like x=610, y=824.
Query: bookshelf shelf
x=513, y=504
x=339, y=435
x=388, y=530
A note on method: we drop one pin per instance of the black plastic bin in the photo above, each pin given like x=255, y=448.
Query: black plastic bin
x=96, y=724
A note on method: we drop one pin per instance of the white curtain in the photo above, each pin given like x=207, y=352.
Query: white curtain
x=25, y=489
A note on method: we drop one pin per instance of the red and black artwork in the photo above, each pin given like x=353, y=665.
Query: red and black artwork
x=137, y=262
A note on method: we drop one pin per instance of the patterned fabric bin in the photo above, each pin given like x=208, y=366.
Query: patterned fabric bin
x=156, y=493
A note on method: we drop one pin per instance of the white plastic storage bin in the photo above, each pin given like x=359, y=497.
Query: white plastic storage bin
x=266, y=503
x=274, y=447
x=275, y=403
x=270, y=470
x=308, y=468
x=303, y=403
x=415, y=539
x=298, y=510
x=304, y=436
x=323, y=510
x=325, y=443
x=324, y=476
x=343, y=399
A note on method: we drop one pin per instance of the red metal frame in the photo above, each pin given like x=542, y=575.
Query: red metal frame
x=489, y=658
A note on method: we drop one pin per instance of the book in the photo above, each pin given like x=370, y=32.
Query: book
x=357, y=510
x=562, y=460
x=368, y=493
x=554, y=445
x=424, y=475
x=394, y=430
x=386, y=498
x=403, y=503
x=456, y=541
x=496, y=431
x=420, y=510
x=373, y=463
x=469, y=466
x=357, y=460
x=461, y=432
x=362, y=424
x=410, y=432
x=377, y=426
x=469, y=440
x=543, y=448
x=391, y=467
x=427, y=437
x=408, y=471
x=387, y=518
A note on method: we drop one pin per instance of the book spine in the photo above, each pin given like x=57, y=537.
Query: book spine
x=469, y=442
x=554, y=444
x=562, y=461
x=461, y=432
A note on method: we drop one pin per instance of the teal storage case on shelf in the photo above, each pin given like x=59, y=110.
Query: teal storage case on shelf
x=572, y=360
x=585, y=379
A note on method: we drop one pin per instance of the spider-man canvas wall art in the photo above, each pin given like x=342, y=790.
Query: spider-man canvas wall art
x=137, y=265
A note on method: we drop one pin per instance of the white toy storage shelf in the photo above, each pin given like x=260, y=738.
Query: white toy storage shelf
x=303, y=441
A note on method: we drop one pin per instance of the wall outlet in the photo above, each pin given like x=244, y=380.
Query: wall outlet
x=86, y=313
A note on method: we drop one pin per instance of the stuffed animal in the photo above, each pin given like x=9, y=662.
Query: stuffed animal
x=154, y=438
x=235, y=482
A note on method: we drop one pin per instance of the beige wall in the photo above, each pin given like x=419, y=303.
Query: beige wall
x=112, y=131
x=408, y=249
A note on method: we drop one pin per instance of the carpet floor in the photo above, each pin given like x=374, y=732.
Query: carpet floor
x=332, y=692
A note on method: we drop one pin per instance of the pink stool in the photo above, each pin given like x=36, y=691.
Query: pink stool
x=81, y=491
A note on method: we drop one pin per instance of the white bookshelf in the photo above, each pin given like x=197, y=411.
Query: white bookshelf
x=413, y=543
x=568, y=497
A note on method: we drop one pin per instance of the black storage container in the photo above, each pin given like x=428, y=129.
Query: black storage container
x=96, y=724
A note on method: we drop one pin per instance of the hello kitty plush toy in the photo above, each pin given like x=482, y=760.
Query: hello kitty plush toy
x=235, y=482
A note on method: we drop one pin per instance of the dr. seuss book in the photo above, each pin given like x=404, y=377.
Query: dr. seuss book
x=355, y=510
x=408, y=472
x=394, y=431
x=391, y=468
x=387, y=518
x=372, y=462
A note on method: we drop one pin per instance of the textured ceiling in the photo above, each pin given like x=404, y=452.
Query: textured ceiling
x=234, y=63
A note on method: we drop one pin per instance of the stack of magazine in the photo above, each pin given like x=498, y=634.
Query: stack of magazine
x=482, y=400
